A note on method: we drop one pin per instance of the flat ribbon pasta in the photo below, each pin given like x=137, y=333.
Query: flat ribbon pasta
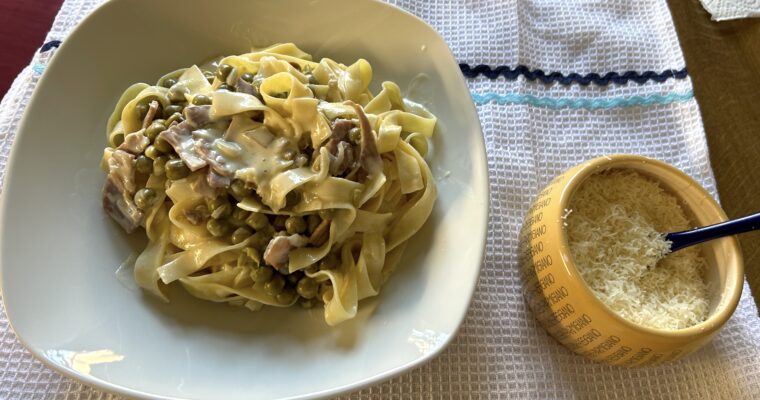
x=270, y=179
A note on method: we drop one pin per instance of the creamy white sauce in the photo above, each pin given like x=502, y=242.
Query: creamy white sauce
x=125, y=273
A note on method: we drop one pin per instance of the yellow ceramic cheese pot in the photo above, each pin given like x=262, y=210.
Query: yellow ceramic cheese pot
x=569, y=311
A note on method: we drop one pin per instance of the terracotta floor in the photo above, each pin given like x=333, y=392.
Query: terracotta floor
x=23, y=26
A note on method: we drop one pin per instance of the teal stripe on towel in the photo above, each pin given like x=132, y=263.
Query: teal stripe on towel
x=586, y=103
x=38, y=68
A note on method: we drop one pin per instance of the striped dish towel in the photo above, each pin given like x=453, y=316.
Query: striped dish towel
x=555, y=83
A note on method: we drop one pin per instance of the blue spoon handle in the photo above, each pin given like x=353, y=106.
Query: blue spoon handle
x=699, y=235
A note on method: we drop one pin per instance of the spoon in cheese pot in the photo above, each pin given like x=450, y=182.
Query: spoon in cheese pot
x=679, y=240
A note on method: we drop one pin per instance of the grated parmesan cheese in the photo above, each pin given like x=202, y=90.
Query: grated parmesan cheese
x=615, y=236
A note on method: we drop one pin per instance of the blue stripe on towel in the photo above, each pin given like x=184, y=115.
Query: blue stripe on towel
x=38, y=68
x=582, y=103
x=573, y=77
x=50, y=45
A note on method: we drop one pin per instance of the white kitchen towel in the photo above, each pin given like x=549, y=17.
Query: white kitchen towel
x=569, y=80
x=722, y=10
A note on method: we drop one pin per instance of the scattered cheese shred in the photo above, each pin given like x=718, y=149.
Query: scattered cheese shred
x=615, y=234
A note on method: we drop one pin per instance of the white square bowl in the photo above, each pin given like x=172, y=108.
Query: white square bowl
x=59, y=250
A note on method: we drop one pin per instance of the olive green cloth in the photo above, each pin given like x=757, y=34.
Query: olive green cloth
x=724, y=63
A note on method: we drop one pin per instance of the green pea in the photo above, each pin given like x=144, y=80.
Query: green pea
x=176, y=117
x=170, y=110
x=245, y=261
x=249, y=257
x=329, y=262
x=216, y=202
x=159, y=112
x=142, y=110
x=154, y=129
x=251, y=252
x=312, y=268
x=280, y=95
x=325, y=290
x=312, y=222
x=294, y=277
x=169, y=82
x=240, y=235
x=280, y=233
x=275, y=285
x=176, y=169
x=152, y=152
x=257, y=221
x=223, y=71
x=248, y=77
x=177, y=94
x=279, y=222
x=217, y=227
x=144, y=198
x=144, y=165
x=259, y=240
x=355, y=135
x=226, y=87
x=295, y=225
x=199, y=215
x=262, y=274
x=201, y=100
x=232, y=77
x=289, y=155
x=117, y=139
x=239, y=189
x=301, y=160
x=162, y=145
x=307, y=287
x=221, y=212
x=286, y=296
x=269, y=231
x=307, y=303
x=159, y=165
x=238, y=217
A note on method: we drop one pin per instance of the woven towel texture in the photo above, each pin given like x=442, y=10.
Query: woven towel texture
x=722, y=10
x=500, y=351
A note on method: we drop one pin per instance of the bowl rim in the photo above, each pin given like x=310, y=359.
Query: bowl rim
x=117, y=389
x=623, y=161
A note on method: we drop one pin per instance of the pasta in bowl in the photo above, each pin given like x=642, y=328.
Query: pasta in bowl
x=269, y=179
